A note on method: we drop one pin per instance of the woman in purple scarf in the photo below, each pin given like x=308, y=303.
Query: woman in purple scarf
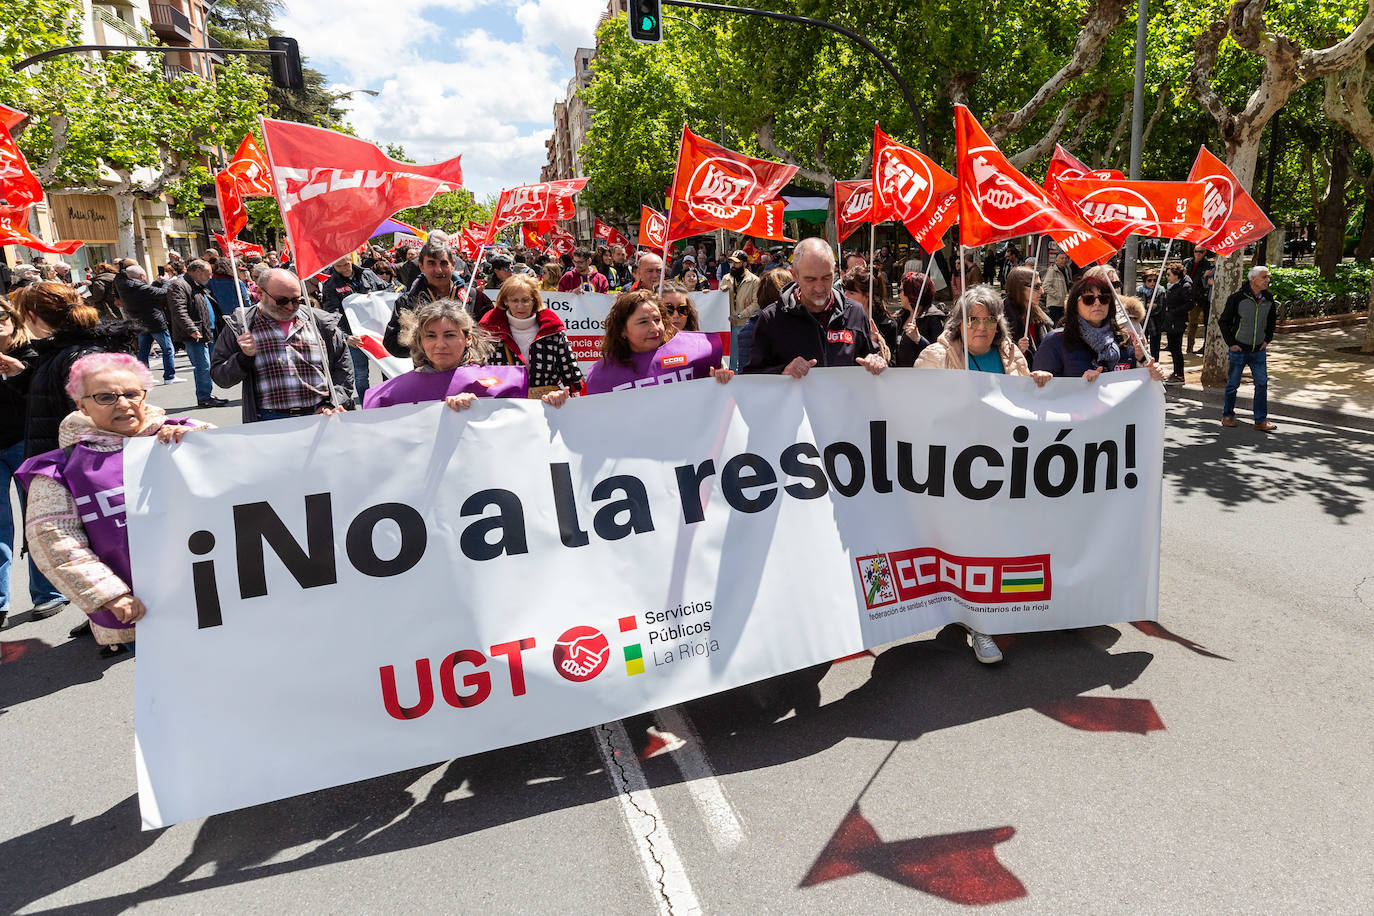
x=75, y=526
x=451, y=355
x=634, y=354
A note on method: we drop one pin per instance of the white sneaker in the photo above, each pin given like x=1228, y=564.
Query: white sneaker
x=173, y=380
x=984, y=648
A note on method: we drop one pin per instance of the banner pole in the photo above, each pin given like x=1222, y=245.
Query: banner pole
x=1035, y=268
x=1155, y=292
x=872, y=230
x=962, y=281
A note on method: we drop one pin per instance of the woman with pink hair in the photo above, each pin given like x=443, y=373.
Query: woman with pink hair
x=75, y=519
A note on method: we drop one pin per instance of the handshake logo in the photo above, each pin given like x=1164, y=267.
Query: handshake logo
x=580, y=654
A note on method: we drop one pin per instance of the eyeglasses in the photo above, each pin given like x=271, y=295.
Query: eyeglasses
x=111, y=398
x=678, y=309
x=982, y=322
x=290, y=300
x=1094, y=298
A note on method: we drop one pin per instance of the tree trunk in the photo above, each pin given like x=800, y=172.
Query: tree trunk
x=1331, y=213
x=1273, y=250
x=1368, y=345
x=1230, y=271
x=1365, y=249
x=124, y=210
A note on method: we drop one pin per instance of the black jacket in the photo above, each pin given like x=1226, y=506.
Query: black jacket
x=787, y=330
x=229, y=366
x=417, y=294
x=1196, y=272
x=104, y=296
x=189, y=306
x=48, y=404
x=143, y=303
x=1249, y=319
x=14, y=397
x=1179, y=300
x=337, y=287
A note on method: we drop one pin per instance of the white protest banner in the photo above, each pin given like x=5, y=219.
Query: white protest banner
x=406, y=240
x=332, y=599
x=583, y=314
x=368, y=314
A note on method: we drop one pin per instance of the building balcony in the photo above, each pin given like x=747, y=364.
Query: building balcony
x=112, y=25
x=169, y=23
x=173, y=71
x=215, y=46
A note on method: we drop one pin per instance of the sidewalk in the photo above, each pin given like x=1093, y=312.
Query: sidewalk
x=1308, y=376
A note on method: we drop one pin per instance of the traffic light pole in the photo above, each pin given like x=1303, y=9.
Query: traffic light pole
x=821, y=23
x=164, y=49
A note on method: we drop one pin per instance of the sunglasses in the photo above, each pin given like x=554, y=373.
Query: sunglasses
x=290, y=300
x=678, y=309
x=111, y=398
x=982, y=322
x=1093, y=298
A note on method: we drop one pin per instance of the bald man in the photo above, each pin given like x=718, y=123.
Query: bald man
x=813, y=324
x=648, y=272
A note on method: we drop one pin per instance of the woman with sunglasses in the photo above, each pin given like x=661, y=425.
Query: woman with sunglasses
x=635, y=352
x=75, y=530
x=1024, y=291
x=1090, y=342
x=679, y=314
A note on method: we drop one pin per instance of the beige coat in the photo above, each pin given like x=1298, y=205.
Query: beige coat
x=947, y=353
x=744, y=304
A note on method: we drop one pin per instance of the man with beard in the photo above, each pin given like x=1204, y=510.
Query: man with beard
x=291, y=359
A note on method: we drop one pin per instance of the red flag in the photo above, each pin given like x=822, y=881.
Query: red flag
x=250, y=170
x=997, y=202
x=535, y=203
x=609, y=234
x=718, y=188
x=561, y=241
x=471, y=240
x=12, y=119
x=285, y=256
x=241, y=249
x=1231, y=216
x=1063, y=164
x=19, y=187
x=1118, y=208
x=334, y=189
x=751, y=249
x=13, y=232
x=909, y=186
x=853, y=205
x=231, y=209
x=532, y=234
x=652, y=225
x=765, y=222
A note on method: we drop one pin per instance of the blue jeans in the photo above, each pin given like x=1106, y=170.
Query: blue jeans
x=40, y=589
x=164, y=340
x=1259, y=373
x=198, y=352
x=362, y=366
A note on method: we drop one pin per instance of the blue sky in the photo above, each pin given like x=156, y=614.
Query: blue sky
x=476, y=77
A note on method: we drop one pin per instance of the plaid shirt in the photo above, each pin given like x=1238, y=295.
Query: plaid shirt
x=291, y=369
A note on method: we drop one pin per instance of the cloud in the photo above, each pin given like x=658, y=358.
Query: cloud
x=565, y=24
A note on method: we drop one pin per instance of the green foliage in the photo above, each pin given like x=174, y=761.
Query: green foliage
x=450, y=211
x=1300, y=283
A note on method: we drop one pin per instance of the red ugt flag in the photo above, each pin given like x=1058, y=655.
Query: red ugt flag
x=240, y=248
x=561, y=241
x=333, y=189
x=1231, y=216
x=718, y=188
x=13, y=232
x=1117, y=208
x=609, y=234
x=19, y=187
x=1063, y=164
x=250, y=171
x=543, y=203
x=231, y=209
x=997, y=202
x=910, y=187
x=652, y=226
x=853, y=205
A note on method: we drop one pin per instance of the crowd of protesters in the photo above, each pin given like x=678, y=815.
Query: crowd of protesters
x=76, y=356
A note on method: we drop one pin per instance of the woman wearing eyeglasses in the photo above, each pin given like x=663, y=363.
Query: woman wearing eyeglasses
x=679, y=314
x=76, y=518
x=1090, y=342
x=528, y=334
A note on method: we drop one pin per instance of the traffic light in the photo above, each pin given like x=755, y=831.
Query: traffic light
x=286, y=69
x=646, y=21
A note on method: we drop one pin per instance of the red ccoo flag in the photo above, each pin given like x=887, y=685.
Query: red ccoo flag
x=652, y=226
x=333, y=189
x=231, y=209
x=853, y=205
x=909, y=186
x=609, y=234
x=1232, y=217
x=997, y=202
x=718, y=188
x=1117, y=208
x=250, y=171
x=532, y=234
x=542, y=203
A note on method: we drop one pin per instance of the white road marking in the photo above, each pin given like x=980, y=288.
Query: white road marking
x=722, y=822
x=657, y=854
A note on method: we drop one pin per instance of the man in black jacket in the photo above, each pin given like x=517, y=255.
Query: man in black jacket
x=436, y=281
x=813, y=325
x=1178, y=302
x=147, y=306
x=343, y=281
x=189, y=306
x=1247, y=325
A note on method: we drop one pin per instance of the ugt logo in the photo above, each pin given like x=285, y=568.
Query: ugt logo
x=722, y=188
x=580, y=654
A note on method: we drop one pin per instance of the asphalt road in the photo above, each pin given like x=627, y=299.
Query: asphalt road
x=1219, y=763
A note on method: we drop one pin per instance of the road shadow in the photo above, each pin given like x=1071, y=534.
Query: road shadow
x=31, y=668
x=1241, y=465
x=914, y=688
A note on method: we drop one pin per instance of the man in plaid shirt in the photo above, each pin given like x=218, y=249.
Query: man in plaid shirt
x=292, y=360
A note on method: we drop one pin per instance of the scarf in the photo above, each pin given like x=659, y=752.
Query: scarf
x=1102, y=340
x=523, y=330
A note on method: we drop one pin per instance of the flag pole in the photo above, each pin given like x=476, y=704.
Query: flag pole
x=668, y=218
x=1035, y=268
x=1155, y=292
x=962, y=281
x=872, y=230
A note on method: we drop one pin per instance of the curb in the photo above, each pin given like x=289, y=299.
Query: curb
x=1281, y=406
